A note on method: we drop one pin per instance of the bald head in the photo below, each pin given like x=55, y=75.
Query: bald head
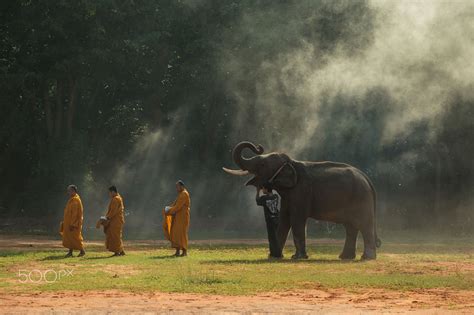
x=180, y=186
x=71, y=190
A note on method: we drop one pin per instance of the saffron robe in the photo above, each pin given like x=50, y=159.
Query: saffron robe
x=73, y=217
x=176, y=221
x=114, y=225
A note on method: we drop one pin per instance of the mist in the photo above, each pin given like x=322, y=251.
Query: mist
x=391, y=69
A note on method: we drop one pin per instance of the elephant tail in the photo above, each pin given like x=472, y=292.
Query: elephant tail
x=378, y=241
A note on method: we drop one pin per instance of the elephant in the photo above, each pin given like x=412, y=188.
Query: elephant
x=326, y=191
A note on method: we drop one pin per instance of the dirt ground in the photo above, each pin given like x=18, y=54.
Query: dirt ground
x=319, y=300
x=45, y=242
x=323, y=301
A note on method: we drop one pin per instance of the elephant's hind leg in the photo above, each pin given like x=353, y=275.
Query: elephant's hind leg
x=349, y=251
x=369, y=243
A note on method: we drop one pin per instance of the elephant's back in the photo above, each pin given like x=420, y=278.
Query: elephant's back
x=336, y=186
x=327, y=164
x=329, y=170
x=342, y=173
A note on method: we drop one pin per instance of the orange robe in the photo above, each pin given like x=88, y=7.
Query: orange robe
x=176, y=221
x=113, y=228
x=72, y=218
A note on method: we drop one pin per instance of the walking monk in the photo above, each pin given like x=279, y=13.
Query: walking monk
x=114, y=224
x=71, y=226
x=176, y=220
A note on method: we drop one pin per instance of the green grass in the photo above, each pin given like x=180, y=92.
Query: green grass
x=243, y=269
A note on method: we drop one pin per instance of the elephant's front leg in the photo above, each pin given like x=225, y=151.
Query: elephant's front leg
x=283, y=227
x=298, y=228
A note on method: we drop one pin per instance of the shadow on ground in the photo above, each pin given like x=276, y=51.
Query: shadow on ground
x=280, y=261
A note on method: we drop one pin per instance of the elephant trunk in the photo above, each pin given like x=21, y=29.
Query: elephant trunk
x=241, y=161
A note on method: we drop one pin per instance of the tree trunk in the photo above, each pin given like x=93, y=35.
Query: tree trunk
x=48, y=111
x=59, y=109
x=437, y=199
x=72, y=106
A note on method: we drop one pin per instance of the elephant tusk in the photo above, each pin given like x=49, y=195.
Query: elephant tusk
x=236, y=172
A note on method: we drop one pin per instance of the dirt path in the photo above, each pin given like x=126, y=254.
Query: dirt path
x=332, y=301
x=45, y=242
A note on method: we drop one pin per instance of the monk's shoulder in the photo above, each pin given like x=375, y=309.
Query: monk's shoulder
x=117, y=200
x=77, y=199
x=186, y=194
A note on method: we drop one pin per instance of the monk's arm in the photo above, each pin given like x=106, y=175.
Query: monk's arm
x=179, y=204
x=76, y=214
x=113, y=209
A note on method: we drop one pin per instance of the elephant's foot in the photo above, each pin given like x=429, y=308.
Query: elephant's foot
x=299, y=256
x=275, y=257
x=347, y=256
x=369, y=254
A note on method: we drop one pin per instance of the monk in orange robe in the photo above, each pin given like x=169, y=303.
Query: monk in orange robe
x=71, y=226
x=176, y=220
x=114, y=223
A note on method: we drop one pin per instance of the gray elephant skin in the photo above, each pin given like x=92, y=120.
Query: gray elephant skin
x=326, y=191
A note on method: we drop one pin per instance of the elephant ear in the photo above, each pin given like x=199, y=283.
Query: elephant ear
x=287, y=178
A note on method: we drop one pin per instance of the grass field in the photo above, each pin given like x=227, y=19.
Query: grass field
x=240, y=269
x=237, y=269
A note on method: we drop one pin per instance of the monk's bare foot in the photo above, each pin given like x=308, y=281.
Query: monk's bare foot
x=81, y=253
x=69, y=254
x=185, y=253
x=116, y=254
x=122, y=253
